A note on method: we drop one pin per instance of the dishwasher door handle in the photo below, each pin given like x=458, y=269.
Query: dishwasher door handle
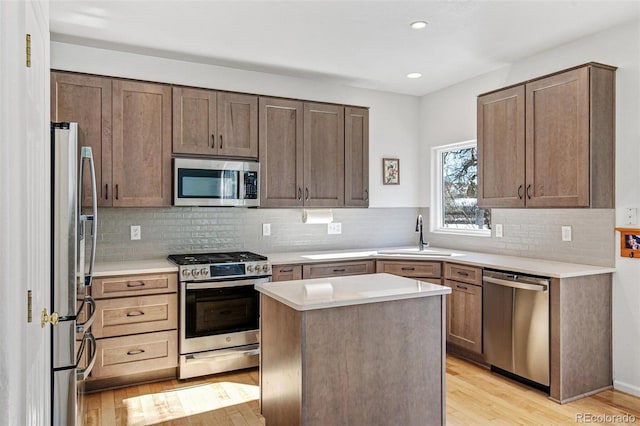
x=515, y=284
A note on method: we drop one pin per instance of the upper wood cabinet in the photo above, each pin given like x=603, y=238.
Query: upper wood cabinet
x=356, y=157
x=567, y=123
x=141, y=144
x=128, y=126
x=86, y=100
x=309, y=152
x=323, y=155
x=214, y=123
x=281, y=152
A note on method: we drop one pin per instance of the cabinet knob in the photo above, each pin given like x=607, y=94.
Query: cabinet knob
x=520, y=192
x=299, y=193
x=529, y=191
x=306, y=194
x=213, y=140
x=220, y=140
x=366, y=195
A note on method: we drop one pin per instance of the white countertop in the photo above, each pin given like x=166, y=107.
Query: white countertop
x=547, y=268
x=322, y=293
x=150, y=266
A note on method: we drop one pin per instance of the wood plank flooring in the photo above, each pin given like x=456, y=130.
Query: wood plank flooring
x=475, y=396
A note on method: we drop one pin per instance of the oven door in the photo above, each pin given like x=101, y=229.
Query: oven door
x=218, y=314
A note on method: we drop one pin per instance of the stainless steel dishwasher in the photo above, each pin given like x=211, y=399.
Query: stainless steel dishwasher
x=515, y=317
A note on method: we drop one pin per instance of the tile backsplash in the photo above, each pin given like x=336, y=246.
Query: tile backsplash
x=527, y=232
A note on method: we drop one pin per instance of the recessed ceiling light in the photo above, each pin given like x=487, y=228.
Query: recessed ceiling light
x=418, y=25
x=414, y=75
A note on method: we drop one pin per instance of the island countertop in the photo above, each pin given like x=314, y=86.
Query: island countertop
x=322, y=293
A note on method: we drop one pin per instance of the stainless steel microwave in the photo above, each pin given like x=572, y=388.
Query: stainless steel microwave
x=205, y=182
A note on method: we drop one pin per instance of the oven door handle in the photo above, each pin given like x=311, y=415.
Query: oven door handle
x=225, y=284
x=243, y=350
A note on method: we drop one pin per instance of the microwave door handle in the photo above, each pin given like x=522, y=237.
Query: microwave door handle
x=88, y=155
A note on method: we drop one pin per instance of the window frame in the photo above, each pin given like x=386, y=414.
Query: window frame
x=436, y=191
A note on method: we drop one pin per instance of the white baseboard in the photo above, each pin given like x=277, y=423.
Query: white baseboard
x=626, y=387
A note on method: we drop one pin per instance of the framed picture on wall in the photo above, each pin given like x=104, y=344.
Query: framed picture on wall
x=391, y=171
x=629, y=242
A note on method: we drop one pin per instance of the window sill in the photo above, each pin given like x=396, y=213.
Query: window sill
x=463, y=232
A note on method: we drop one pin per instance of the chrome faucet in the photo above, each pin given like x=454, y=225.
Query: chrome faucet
x=421, y=243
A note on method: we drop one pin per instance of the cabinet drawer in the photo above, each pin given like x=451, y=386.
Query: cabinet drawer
x=134, y=285
x=321, y=270
x=286, y=272
x=463, y=273
x=136, y=354
x=131, y=315
x=410, y=269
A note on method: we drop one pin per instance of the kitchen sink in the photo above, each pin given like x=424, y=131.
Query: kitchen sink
x=416, y=252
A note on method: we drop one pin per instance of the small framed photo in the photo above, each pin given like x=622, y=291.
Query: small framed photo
x=629, y=242
x=391, y=171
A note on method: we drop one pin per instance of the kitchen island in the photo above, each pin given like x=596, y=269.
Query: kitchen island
x=364, y=349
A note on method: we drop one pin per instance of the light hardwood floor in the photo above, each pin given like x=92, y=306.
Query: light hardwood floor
x=475, y=396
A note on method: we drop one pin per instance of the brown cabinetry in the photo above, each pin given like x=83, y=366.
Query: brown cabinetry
x=216, y=123
x=128, y=126
x=549, y=142
x=464, y=306
x=313, y=154
x=135, y=327
x=338, y=269
x=422, y=270
x=356, y=157
x=286, y=272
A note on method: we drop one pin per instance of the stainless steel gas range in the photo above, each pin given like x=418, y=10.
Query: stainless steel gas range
x=219, y=311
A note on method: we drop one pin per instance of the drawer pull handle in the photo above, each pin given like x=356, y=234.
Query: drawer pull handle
x=339, y=270
x=136, y=284
x=135, y=313
x=286, y=270
x=464, y=274
x=135, y=352
x=461, y=286
x=406, y=268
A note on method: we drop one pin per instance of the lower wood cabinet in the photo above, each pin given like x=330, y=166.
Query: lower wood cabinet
x=136, y=329
x=464, y=306
x=286, y=272
x=424, y=270
x=337, y=269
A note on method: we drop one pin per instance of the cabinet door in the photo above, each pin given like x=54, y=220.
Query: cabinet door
x=86, y=100
x=238, y=125
x=141, y=144
x=464, y=315
x=281, y=156
x=557, y=140
x=356, y=151
x=194, y=121
x=501, y=149
x=323, y=155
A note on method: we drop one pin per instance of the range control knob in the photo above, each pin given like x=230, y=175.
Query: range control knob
x=250, y=268
x=195, y=273
x=265, y=268
x=186, y=273
x=204, y=272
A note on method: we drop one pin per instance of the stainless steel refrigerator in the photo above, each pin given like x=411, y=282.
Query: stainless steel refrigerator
x=73, y=347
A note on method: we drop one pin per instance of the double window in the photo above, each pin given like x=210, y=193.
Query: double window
x=455, y=191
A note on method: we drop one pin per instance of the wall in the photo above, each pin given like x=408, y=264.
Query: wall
x=393, y=118
x=449, y=116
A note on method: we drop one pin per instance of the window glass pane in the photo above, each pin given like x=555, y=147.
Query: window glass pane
x=460, y=191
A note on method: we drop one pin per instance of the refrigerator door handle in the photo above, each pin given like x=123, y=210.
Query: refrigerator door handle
x=84, y=326
x=87, y=154
x=83, y=373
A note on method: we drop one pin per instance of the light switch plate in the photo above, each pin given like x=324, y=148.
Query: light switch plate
x=334, y=228
x=566, y=233
x=631, y=216
x=266, y=229
x=135, y=232
x=498, y=230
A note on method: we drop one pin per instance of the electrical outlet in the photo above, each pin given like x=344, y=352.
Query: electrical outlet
x=135, y=232
x=266, y=229
x=566, y=233
x=631, y=216
x=498, y=230
x=334, y=228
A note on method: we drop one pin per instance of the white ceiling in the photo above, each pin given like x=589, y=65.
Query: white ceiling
x=366, y=44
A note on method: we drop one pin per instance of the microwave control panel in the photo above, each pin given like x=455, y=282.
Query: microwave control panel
x=251, y=185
